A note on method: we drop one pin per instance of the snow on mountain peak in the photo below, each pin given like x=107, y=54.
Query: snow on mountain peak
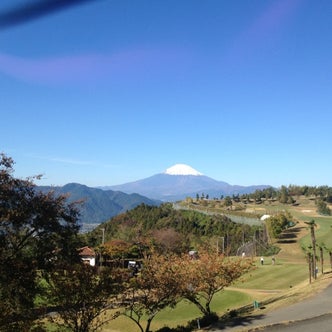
x=181, y=169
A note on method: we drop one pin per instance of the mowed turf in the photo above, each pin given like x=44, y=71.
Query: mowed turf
x=280, y=276
x=184, y=312
x=323, y=232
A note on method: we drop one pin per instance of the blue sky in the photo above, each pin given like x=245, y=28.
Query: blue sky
x=114, y=91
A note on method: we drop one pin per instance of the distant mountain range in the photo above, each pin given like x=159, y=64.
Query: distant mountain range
x=99, y=205
x=181, y=181
x=176, y=183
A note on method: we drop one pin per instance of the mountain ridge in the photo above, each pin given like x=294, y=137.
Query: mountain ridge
x=176, y=183
x=99, y=205
x=179, y=182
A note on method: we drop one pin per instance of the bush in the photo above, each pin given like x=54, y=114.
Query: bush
x=179, y=328
x=322, y=208
x=269, y=251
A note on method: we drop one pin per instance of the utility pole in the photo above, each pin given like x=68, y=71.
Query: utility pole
x=253, y=254
x=102, y=243
x=103, y=238
x=223, y=244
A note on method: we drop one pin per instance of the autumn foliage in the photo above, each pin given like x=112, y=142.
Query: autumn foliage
x=166, y=280
x=202, y=278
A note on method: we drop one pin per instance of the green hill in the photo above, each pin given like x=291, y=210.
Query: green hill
x=99, y=205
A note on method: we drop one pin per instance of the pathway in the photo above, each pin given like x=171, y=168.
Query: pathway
x=315, y=306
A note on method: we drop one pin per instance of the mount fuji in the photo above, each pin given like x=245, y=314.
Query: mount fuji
x=181, y=181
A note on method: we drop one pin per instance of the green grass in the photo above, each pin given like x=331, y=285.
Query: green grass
x=323, y=231
x=185, y=312
x=280, y=276
x=229, y=299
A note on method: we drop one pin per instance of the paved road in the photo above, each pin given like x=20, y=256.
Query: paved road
x=320, y=323
x=315, y=311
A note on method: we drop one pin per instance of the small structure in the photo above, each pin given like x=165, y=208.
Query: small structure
x=193, y=254
x=87, y=255
x=265, y=216
x=132, y=264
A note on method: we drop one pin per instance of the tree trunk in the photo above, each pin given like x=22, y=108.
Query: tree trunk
x=207, y=309
x=136, y=321
x=148, y=323
x=309, y=264
x=312, y=226
x=321, y=259
x=201, y=308
x=313, y=239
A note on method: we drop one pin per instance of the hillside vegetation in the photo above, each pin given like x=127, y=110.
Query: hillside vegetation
x=273, y=284
x=177, y=230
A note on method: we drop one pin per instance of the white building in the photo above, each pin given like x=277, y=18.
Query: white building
x=88, y=255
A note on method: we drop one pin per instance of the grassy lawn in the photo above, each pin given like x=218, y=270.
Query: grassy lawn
x=263, y=280
x=184, y=312
x=323, y=231
x=280, y=276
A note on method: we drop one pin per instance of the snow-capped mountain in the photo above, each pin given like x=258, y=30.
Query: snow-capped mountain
x=181, y=181
x=181, y=169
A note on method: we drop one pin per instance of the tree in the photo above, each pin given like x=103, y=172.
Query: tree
x=322, y=208
x=308, y=255
x=82, y=296
x=153, y=289
x=116, y=249
x=283, y=195
x=228, y=201
x=278, y=223
x=36, y=232
x=312, y=224
x=202, y=278
x=167, y=240
x=321, y=248
x=330, y=256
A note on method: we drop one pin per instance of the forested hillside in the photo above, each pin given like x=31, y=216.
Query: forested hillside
x=98, y=205
x=175, y=230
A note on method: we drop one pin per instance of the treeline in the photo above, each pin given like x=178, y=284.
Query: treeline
x=285, y=195
x=281, y=194
x=171, y=230
x=289, y=195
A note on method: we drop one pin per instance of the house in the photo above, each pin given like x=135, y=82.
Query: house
x=87, y=255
